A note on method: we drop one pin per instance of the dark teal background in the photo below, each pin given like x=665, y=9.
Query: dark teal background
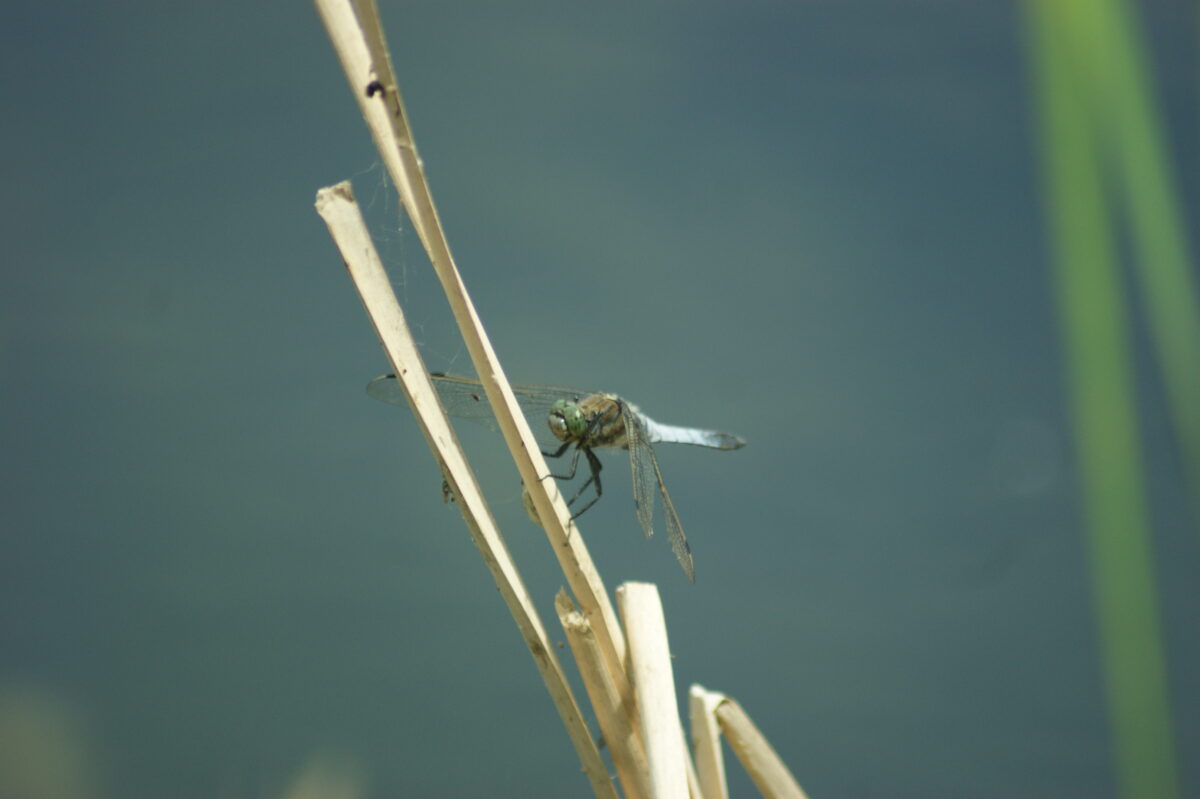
x=817, y=225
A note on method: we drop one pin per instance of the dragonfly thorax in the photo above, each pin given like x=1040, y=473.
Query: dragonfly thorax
x=594, y=421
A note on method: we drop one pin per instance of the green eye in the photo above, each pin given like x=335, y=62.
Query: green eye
x=567, y=420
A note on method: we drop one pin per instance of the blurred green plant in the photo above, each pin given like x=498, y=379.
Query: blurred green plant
x=1103, y=150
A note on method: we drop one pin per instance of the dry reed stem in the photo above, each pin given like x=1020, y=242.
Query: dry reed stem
x=653, y=681
x=755, y=753
x=618, y=720
x=354, y=28
x=358, y=38
x=337, y=206
x=706, y=741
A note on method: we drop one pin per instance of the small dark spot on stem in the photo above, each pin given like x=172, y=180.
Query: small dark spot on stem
x=374, y=88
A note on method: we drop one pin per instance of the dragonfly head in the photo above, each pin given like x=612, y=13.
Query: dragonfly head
x=567, y=421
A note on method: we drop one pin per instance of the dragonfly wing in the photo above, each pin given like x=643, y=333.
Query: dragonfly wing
x=642, y=466
x=387, y=389
x=647, y=476
x=464, y=398
x=679, y=542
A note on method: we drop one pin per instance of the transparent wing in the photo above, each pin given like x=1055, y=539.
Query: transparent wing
x=647, y=476
x=464, y=399
x=679, y=542
x=640, y=467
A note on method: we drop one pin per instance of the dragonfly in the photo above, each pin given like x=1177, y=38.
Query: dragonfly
x=586, y=420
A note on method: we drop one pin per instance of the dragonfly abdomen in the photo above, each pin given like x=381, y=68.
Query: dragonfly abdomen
x=671, y=434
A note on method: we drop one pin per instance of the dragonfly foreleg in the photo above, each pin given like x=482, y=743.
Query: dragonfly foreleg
x=570, y=475
x=594, y=465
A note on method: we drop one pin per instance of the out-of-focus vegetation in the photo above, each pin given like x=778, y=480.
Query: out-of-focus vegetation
x=1108, y=175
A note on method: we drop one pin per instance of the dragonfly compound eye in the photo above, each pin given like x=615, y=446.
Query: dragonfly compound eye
x=566, y=420
x=557, y=422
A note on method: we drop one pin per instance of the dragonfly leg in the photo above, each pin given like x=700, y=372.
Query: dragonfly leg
x=570, y=475
x=558, y=452
x=594, y=465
